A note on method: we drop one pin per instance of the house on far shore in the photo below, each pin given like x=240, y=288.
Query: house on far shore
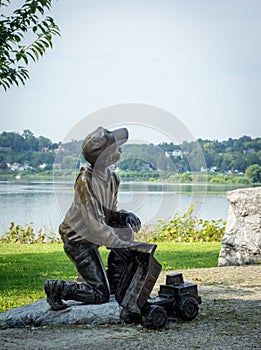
x=42, y=166
x=20, y=167
x=15, y=166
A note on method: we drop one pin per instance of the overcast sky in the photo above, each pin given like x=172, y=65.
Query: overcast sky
x=199, y=60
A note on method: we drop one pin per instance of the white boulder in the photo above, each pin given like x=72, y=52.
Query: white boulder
x=242, y=239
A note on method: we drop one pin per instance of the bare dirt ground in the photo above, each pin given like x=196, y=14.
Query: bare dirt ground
x=229, y=318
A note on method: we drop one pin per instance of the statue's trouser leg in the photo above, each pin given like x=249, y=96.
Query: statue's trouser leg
x=119, y=258
x=95, y=289
x=116, y=268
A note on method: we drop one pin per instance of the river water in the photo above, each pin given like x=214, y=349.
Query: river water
x=44, y=203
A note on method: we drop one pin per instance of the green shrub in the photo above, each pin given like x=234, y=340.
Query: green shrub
x=185, y=178
x=184, y=228
x=218, y=179
x=27, y=235
x=173, y=178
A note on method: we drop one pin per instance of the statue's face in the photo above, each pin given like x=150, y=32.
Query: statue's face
x=113, y=156
x=103, y=145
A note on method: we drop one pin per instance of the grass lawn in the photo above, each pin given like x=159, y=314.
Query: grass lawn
x=24, y=267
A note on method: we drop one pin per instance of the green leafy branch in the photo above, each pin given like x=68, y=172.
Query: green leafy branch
x=14, y=54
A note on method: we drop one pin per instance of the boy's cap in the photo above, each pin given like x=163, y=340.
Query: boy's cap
x=100, y=139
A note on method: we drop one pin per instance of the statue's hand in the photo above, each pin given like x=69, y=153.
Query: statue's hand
x=133, y=221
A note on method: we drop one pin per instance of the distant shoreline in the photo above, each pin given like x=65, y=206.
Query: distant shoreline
x=203, y=180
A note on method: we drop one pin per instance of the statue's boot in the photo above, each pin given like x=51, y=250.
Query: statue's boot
x=53, y=292
x=58, y=290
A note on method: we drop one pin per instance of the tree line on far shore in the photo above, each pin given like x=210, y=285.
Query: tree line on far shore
x=38, y=154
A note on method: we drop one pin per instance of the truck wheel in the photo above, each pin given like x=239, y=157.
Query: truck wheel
x=154, y=316
x=187, y=308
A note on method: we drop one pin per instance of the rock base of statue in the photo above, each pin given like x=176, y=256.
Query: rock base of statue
x=40, y=314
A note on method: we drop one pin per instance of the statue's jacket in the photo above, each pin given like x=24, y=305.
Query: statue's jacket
x=93, y=213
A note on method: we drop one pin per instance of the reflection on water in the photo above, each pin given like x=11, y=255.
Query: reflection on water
x=44, y=202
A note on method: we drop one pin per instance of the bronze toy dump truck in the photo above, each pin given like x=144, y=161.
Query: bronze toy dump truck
x=176, y=298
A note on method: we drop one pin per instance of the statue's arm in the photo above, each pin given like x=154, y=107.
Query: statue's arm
x=94, y=226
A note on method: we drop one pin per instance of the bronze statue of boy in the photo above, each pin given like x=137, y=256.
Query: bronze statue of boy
x=92, y=221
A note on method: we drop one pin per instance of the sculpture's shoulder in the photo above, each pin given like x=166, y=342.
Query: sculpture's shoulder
x=84, y=175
